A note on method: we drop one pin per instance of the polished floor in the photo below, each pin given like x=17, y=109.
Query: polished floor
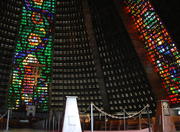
x=31, y=130
x=24, y=130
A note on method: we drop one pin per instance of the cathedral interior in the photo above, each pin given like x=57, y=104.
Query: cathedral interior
x=120, y=55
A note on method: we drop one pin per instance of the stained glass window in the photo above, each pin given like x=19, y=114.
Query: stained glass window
x=161, y=49
x=33, y=56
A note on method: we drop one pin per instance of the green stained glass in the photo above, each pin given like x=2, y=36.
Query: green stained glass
x=31, y=72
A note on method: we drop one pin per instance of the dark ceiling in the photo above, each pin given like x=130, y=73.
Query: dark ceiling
x=169, y=12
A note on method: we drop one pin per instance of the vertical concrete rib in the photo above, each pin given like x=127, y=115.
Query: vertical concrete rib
x=94, y=50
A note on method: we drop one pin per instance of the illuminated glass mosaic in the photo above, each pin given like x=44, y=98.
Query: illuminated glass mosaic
x=160, y=47
x=33, y=56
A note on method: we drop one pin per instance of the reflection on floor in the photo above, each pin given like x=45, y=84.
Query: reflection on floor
x=23, y=130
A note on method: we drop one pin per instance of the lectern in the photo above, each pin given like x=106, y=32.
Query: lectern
x=71, y=118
